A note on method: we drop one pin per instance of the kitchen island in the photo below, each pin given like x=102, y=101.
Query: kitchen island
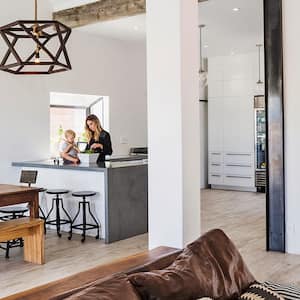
x=121, y=203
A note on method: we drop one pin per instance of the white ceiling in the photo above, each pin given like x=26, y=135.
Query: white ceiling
x=227, y=32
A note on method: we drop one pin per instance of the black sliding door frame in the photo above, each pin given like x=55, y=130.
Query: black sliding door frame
x=275, y=197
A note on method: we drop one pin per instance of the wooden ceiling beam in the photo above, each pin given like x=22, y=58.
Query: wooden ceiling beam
x=99, y=11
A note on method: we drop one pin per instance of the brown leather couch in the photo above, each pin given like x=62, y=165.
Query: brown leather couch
x=160, y=257
x=209, y=267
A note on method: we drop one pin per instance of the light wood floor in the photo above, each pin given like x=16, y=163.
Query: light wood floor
x=241, y=215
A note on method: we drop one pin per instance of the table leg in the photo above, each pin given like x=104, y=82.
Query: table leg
x=34, y=205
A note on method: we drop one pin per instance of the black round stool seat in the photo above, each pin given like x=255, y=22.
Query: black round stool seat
x=42, y=190
x=57, y=192
x=84, y=194
x=13, y=210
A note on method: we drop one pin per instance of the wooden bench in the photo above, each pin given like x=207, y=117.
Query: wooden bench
x=32, y=231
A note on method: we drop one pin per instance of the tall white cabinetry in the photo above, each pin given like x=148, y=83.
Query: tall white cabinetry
x=231, y=144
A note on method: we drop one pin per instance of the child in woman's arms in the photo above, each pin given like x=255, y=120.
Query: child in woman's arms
x=68, y=150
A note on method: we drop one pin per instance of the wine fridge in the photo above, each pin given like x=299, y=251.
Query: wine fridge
x=260, y=143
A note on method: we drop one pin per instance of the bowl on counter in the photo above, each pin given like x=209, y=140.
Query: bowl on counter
x=88, y=158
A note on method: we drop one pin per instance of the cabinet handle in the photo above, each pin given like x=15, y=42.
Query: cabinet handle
x=215, y=153
x=243, y=177
x=238, y=154
x=240, y=166
x=216, y=165
x=215, y=175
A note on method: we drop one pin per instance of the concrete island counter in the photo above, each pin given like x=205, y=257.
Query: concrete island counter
x=121, y=203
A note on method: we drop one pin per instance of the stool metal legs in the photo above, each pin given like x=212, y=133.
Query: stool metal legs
x=58, y=221
x=85, y=226
x=42, y=214
x=44, y=218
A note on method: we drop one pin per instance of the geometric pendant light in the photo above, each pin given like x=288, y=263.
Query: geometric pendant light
x=35, y=47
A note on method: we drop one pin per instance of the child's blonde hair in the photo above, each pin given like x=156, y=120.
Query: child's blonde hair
x=70, y=132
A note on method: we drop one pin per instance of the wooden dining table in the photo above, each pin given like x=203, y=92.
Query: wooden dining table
x=15, y=194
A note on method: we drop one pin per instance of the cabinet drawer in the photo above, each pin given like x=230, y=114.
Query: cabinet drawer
x=215, y=157
x=238, y=158
x=215, y=168
x=239, y=180
x=239, y=169
x=215, y=179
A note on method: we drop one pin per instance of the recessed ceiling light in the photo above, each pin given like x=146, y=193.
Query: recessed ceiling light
x=205, y=46
x=236, y=9
x=136, y=28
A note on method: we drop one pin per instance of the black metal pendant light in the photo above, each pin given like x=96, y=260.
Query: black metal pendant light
x=35, y=47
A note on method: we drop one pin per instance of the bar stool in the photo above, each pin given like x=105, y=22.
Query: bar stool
x=55, y=202
x=11, y=213
x=84, y=226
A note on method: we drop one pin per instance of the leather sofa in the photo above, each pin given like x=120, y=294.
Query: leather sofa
x=209, y=267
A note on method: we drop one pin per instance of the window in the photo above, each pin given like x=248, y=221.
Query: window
x=69, y=111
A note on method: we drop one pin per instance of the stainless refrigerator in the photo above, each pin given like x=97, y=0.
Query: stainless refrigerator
x=260, y=143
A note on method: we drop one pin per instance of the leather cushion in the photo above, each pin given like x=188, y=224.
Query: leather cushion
x=209, y=267
x=158, y=264
x=115, y=288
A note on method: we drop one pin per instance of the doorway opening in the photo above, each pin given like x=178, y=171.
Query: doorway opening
x=233, y=110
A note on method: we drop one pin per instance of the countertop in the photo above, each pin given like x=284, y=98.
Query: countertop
x=101, y=167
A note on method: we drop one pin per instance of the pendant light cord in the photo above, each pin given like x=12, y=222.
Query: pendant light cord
x=201, y=58
x=35, y=9
x=259, y=63
x=201, y=66
x=37, y=50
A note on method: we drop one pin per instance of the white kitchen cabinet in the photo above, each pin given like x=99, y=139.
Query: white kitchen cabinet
x=231, y=121
x=238, y=125
x=216, y=69
x=216, y=157
x=215, y=179
x=239, y=66
x=215, y=132
x=239, y=181
x=238, y=169
x=242, y=158
x=238, y=88
x=217, y=89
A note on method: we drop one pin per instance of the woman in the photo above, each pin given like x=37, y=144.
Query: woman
x=98, y=139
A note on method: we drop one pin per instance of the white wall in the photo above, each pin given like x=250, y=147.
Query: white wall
x=100, y=66
x=115, y=69
x=291, y=32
